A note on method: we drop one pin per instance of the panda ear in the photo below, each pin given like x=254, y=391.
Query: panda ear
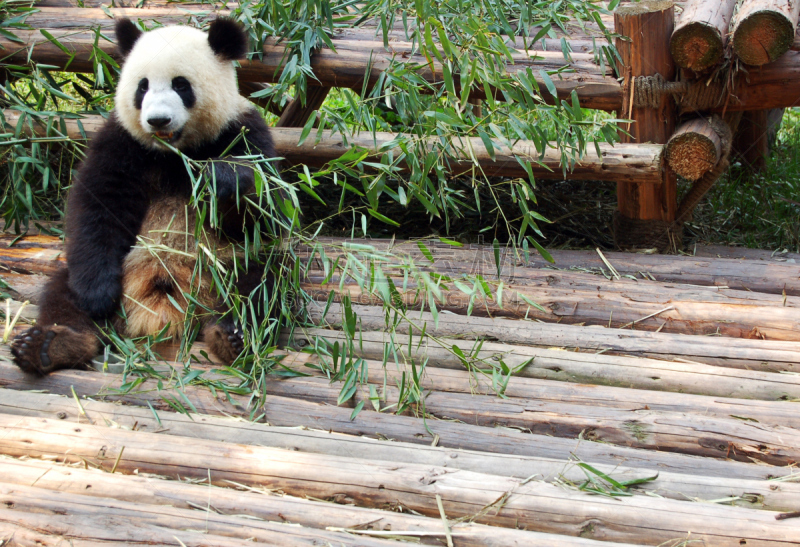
x=227, y=39
x=127, y=34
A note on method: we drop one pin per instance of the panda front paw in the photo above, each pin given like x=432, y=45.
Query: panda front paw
x=225, y=340
x=225, y=178
x=100, y=299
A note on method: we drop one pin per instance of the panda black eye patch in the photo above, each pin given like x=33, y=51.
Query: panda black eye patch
x=183, y=88
x=141, y=89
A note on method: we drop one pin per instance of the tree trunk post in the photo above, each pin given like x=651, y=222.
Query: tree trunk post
x=645, y=213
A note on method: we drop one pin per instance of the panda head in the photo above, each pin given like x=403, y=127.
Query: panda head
x=178, y=84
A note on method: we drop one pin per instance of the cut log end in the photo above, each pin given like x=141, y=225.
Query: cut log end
x=763, y=37
x=696, y=46
x=691, y=155
x=646, y=6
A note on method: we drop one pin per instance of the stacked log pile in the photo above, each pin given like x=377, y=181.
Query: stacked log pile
x=712, y=417
x=653, y=399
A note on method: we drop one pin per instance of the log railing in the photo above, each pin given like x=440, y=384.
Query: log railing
x=636, y=163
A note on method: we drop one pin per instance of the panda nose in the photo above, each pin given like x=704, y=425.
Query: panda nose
x=158, y=123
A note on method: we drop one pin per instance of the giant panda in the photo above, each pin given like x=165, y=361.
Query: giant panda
x=177, y=90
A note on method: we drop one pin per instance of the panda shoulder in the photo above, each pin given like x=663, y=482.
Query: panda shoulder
x=112, y=149
x=113, y=137
x=258, y=130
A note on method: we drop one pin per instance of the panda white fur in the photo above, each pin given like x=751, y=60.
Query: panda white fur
x=178, y=89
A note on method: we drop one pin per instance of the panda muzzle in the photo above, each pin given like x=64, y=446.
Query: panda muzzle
x=168, y=136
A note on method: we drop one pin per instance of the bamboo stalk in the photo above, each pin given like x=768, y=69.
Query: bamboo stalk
x=502, y=501
x=699, y=39
x=763, y=30
x=281, y=411
x=261, y=505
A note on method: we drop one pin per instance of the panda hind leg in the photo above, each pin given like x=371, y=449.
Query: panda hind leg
x=224, y=338
x=63, y=337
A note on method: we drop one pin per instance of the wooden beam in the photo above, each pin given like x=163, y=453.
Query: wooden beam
x=701, y=34
x=752, y=493
x=462, y=381
x=71, y=516
x=641, y=427
x=694, y=149
x=567, y=297
x=297, y=112
x=763, y=30
x=723, y=268
x=281, y=411
x=639, y=163
x=552, y=364
x=262, y=506
x=596, y=88
x=751, y=143
x=756, y=355
x=589, y=301
x=645, y=214
x=513, y=503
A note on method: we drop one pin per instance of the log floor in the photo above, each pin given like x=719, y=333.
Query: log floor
x=682, y=428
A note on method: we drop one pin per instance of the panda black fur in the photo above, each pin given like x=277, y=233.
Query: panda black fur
x=178, y=84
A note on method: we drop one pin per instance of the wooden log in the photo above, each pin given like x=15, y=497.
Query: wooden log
x=280, y=411
x=751, y=143
x=636, y=163
x=346, y=67
x=549, y=364
x=286, y=509
x=449, y=380
x=699, y=39
x=780, y=256
x=586, y=299
x=775, y=85
x=65, y=513
x=640, y=428
x=534, y=505
x=618, y=304
x=758, y=355
x=96, y=531
x=774, y=496
x=297, y=113
x=248, y=88
x=716, y=266
x=649, y=25
x=694, y=149
x=763, y=30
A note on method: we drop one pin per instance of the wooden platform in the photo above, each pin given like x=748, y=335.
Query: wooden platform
x=699, y=411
